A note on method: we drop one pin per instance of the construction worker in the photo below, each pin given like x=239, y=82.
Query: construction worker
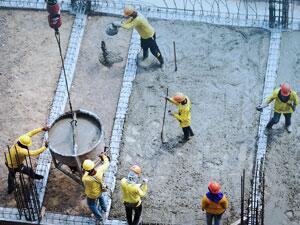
x=214, y=202
x=16, y=156
x=184, y=114
x=132, y=193
x=146, y=31
x=94, y=186
x=286, y=101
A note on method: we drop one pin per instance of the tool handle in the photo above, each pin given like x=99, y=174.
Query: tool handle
x=164, y=117
x=175, y=58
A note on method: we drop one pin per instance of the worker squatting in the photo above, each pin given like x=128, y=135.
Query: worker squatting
x=214, y=202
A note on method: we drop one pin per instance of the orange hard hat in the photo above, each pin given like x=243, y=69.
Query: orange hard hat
x=285, y=89
x=128, y=11
x=214, y=187
x=136, y=169
x=179, y=97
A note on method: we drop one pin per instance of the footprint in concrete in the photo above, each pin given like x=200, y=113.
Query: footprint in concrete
x=289, y=214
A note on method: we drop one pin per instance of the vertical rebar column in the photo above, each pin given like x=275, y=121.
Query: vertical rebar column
x=285, y=14
x=24, y=188
x=271, y=13
x=242, y=196
x=263, y=198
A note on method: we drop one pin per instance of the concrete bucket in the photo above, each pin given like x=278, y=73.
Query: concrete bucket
x=89, y=138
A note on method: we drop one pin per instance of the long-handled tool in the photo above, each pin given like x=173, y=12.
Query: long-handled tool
x=163, y=139
x=175, y=58
x=261, y=107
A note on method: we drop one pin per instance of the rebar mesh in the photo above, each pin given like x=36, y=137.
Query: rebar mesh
x=234, y=12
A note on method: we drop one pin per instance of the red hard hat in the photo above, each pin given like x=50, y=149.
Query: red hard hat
x=214, y=187
x=285, y=89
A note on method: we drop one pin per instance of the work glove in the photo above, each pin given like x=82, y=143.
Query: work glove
x=259, y=108
x=117, y=23
x=46, y=144
x=145, y=180
x=101, y=156
x=294, y=107
x=46, y=128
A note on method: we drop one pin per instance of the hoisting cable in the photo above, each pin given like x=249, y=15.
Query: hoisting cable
x=74, y=117
x=54, y=20
x=57, y=37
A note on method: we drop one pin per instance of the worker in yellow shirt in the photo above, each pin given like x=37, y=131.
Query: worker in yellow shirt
x=184, y=114
x=146, y=31
x=132, y=193
x=94, y=186
x=286, y=101
x=16, y=155
x=214, y=202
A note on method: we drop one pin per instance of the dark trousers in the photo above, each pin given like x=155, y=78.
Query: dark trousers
x=137, y=214
x=276, y=117
x=12, y=174
x=187, y=132
x=150, y=43
x=216, y=218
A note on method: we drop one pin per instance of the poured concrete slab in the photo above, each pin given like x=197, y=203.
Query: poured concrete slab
x=222, y=70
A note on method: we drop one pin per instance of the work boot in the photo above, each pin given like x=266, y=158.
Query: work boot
x=145, y=54
x=103, y=214
x=267, y=131
x=184, y=140
x=99, y=222
x=288, y=129
x=38, y=177
x=9, y=191
x=161, y=61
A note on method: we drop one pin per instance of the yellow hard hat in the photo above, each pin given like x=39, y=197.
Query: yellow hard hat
x=179, y=97
x=128, y=11
x=136, y=169
x=88, y=165
x=25, y=140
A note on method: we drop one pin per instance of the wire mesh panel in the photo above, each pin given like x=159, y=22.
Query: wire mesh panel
x=279, y=12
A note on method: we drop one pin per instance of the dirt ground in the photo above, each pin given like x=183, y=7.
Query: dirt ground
x=282, y=205
x=222, y=70
x=95, y=88
x=30, y=67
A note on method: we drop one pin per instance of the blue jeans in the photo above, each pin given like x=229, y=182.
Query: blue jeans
x=211, y=217
x=92, y=203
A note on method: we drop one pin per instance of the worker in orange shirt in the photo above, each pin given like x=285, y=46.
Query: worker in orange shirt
x=214, y=202
x=16, y=156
